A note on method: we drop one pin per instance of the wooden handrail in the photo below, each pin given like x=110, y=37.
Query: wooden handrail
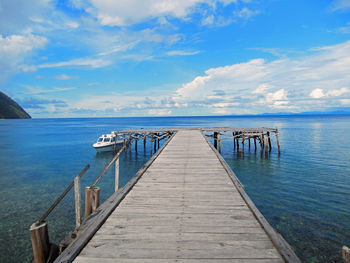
x=48, y=211
x=108, y=165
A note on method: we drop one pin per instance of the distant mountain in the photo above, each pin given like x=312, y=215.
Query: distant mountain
x=9, y=109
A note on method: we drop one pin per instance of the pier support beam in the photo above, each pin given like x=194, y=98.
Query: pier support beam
x=234, y=140
x=254, y=143
x=278, y=142
x=266, y=144
x=243, y=143
x=39, y=236
x=269, y=140
x=136, y=139
x=215, y=140
x=92, y=200
x=219, y=140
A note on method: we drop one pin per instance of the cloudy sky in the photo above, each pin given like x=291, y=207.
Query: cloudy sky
x=76, y=58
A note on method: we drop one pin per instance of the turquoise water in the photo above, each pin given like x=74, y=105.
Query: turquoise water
x=304, y=193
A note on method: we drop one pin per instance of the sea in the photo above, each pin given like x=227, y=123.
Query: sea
x=304, y=192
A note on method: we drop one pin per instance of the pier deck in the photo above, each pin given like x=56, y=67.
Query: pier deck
x=187, y=207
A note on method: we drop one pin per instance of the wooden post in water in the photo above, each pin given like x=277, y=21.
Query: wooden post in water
x=77, y=199
x=234, y=140
x=237, y=143
x=243, y=143
x=269, y=140
x=261, y=143
x=255, y=143
x=136, y=139
x=346, y=254
x=278, y=142
x=219, y=142
x=266, y=144
x=249, y=142
x=144, y=141
x=116, y=181
x=155, y=145
x=215, y=140
x=92, y=200
x=151, y=144
x=39, y=236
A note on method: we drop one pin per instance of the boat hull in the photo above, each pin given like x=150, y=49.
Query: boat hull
x=106, y=148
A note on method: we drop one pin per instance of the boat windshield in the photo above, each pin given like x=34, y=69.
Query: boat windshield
x=100, y=139
x=106, y=140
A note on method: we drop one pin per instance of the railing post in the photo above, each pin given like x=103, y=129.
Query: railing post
x=92, y=200
x=40, y=241
x=116, y=175
x=77, y=199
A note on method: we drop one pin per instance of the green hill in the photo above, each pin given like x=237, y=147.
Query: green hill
x=9, y=109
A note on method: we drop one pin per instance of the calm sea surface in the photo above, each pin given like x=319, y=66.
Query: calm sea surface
x=304, y=193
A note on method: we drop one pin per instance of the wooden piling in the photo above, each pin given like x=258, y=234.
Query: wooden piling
x=266, y=144
x=116, y=181
x=39, y=236
x=92, y=200
x=234, y=140
x=269, y=140
x=261, y=143
x=77, y=200
x=346, y=254
x=215, y=140
x=136, y=144
x=155, y=145
x=144, y=141
x=243, y=143
x=249, y=142
x=237, y=143
x=254, y=143
x=278, y=142
x=219, y=141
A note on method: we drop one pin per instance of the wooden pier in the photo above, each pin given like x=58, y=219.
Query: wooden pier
x=185, y=205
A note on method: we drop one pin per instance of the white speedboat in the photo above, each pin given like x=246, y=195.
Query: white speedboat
x=108, y=142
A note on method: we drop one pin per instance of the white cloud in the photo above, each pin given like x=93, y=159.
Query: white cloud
x=63, y=77
x=119, y=48
x=182, y=53
x=340, y=5
x=317, y=93
x=344, y=29
x=261, y=89
x=159, y=112
x=338, y=92
x=80, y=62
x=14, y=50
x=128, y=12
x=245, y=13
x=282, y=84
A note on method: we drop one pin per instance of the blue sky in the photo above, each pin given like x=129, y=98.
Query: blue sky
x=77, y=58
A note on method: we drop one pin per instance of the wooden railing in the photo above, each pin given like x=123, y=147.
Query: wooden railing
x=43, y=250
